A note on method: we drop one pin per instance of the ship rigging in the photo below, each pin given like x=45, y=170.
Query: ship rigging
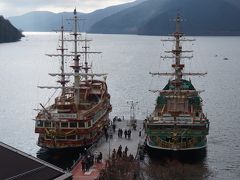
x=79, y=114
x=178, y=122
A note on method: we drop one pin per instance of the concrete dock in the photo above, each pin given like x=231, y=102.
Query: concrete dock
x=106, y=146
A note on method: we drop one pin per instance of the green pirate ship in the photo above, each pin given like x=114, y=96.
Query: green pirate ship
x=178, y=122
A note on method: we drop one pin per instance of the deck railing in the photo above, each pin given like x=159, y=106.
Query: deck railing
x=188, y=144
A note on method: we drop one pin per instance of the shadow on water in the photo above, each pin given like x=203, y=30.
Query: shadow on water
x=61, y=158
x=190, y=157
x=177, y=165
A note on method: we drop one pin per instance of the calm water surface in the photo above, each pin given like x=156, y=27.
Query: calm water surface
x=128, y=60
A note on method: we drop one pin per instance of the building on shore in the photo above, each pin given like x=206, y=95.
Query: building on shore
x=15, y=164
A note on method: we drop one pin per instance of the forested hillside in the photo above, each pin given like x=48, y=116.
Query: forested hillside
x=8, y=33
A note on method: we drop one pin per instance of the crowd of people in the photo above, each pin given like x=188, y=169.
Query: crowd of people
x=89, y=159
x=121, y=154
x=127, y=133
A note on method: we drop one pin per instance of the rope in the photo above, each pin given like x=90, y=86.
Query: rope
x=50, y=97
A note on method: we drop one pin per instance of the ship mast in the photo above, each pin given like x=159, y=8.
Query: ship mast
x=177, y=52
x=86, y=67
x=177, y=55
x=76, y=66
x=63, y=80
x=62, y=74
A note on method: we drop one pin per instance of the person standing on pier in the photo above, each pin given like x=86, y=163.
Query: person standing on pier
x=106, y=136
x=100, y=157
x=114, y=154
x=144, y=124
x=126, y=133
x=114, y=127
x=83, y=165
x=95, y=156
x=125, y=151
x=105, y=130
x=119, y=132
x=119, y=151
x=129, y=133
x=85, y=151
x=110, y=132
x=88, y=163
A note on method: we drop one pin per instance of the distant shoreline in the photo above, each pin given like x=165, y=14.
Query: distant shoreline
x=53, y=32
x=9, y=33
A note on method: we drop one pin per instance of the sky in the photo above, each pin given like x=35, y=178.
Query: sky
x=19, y=7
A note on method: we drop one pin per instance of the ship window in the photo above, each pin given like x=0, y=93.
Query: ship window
x=39, y=123
x=89, y=123
x=81, y=124
x=94, y=97
x=79, y=137
x=61, y=137
x=177, y=105
x=153, y=127
x=47, y=124
x=73, y=124
x=64, y=124
x=153, y=138
x=73, y=137
x=48, y=137
x=93, y=134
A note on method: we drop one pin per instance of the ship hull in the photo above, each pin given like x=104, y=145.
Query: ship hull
x=189, y=155
x=65, y=149
x=64, y=146
x=159, y=148
x=68, y=145
x=173, y=142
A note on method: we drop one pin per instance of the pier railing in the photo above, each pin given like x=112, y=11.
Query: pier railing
x=89, y=150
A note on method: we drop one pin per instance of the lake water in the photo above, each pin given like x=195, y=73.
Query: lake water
x=127, y=59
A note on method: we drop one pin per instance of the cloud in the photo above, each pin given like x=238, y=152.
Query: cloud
x=18, y=7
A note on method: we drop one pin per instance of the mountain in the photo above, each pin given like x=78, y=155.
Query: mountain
x=8, y=33
x=214, y=17
x=129, y=20
x=49, y=21
x=152, y=17
x=234, y=2
x=36, y=21
x=147, y=17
